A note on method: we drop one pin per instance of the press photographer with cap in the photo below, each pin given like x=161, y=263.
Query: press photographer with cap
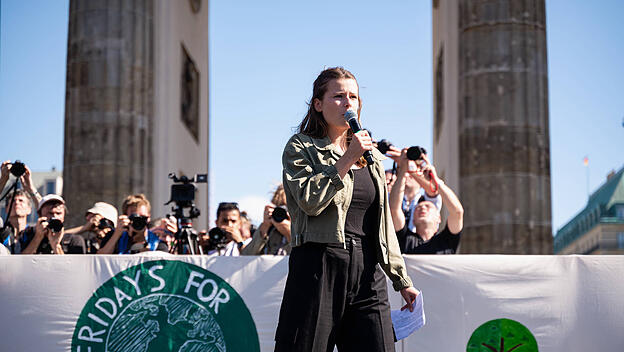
x=48, y=236
x=101, y=219
x=419, y=234
x=132, y=234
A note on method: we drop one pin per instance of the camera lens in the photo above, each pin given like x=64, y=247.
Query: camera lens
x=138, y=222
x=415, y=153
x=216, y=237
x=55, y=225
x=279, y=214
x=105, y=224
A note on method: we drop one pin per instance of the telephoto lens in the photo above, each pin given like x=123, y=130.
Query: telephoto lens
x=138, y=222
x=415, y=153
x=279, y=214
x=55, y=225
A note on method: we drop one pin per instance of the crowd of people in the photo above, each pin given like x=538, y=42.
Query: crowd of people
x=416, y=196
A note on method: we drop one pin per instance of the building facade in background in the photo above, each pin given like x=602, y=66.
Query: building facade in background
x=136, y=104
x=491, y=134
x=599, y=227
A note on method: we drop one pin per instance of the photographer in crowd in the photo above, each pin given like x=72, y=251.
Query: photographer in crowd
x=273, y=235
x=25, y=177
x=16, y=223
x=101, y=220
x=131, y=234
x=18, y=204
x=226, y=238
x=48, y=236
x=425, y=218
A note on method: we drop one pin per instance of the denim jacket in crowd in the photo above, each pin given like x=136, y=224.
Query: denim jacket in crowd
x=318, y=200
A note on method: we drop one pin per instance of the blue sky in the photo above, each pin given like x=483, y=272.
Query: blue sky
x=265, y=55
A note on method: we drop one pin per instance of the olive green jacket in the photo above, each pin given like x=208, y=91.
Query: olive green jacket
x=318, y=200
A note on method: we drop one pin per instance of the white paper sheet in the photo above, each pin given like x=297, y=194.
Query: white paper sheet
x=406, y=322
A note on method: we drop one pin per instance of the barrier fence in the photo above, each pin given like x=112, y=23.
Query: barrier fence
x=473, y=303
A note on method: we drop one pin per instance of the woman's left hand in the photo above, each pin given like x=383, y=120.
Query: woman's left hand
x=409, y=295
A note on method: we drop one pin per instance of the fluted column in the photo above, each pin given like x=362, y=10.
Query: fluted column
x=109, y=103
x=504, y=148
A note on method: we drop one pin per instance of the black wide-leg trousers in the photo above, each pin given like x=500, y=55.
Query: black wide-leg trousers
x=335, y=297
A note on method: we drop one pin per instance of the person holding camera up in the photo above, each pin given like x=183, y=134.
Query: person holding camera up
x=22, y=171
x=48, y=236
x=17, y=219
x=425, y=217
x=20, y=201
x=101, y=219
x=225, y=239
x=132, y=234
x=273, y=235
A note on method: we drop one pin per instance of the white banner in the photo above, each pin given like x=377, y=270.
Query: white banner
x=473, y=303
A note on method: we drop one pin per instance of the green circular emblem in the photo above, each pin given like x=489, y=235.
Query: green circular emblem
x=502, y=335
x=165, y=305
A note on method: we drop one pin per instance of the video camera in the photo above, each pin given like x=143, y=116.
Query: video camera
x=183, y=189
x=183, y=195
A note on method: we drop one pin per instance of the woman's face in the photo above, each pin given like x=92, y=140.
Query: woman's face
x=341, y=95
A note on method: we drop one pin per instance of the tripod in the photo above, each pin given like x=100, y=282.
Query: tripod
x=185, y=241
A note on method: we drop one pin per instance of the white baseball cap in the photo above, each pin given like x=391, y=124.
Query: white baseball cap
x=48, y=198
x=107, y=211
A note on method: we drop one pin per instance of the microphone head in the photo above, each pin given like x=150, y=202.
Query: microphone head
x=350, y=114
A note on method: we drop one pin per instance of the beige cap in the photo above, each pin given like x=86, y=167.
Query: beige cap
x=107, y=211
x=48, y=198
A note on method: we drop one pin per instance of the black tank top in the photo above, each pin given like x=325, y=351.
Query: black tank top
x=361, y=220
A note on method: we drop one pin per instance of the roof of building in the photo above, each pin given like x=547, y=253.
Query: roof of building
x=600, y=208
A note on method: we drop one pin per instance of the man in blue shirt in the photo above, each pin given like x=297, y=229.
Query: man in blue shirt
x=132, y=234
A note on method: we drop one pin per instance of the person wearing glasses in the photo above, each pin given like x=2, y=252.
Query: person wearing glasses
x=342, y=236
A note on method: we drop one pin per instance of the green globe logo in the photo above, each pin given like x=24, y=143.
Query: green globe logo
x=502, y=335
x=165, y=305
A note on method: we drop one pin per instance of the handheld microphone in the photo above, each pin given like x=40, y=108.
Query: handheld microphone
x=353, y=122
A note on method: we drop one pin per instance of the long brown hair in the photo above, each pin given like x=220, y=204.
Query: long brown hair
x=313, y=123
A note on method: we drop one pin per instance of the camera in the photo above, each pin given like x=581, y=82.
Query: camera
x=279, y=214
x=217, y=238
x=383, y=146
x=138, y=222
x=183, y=195
x=416, y=153
x=18, y=168
x=105, y=224
x=55, y=225
x=183, y=190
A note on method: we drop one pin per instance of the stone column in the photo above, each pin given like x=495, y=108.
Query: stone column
x=109, y=103
x=504, y=148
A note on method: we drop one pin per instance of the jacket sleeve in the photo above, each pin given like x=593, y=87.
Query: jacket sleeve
x=256, y=245
x=312, y=185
